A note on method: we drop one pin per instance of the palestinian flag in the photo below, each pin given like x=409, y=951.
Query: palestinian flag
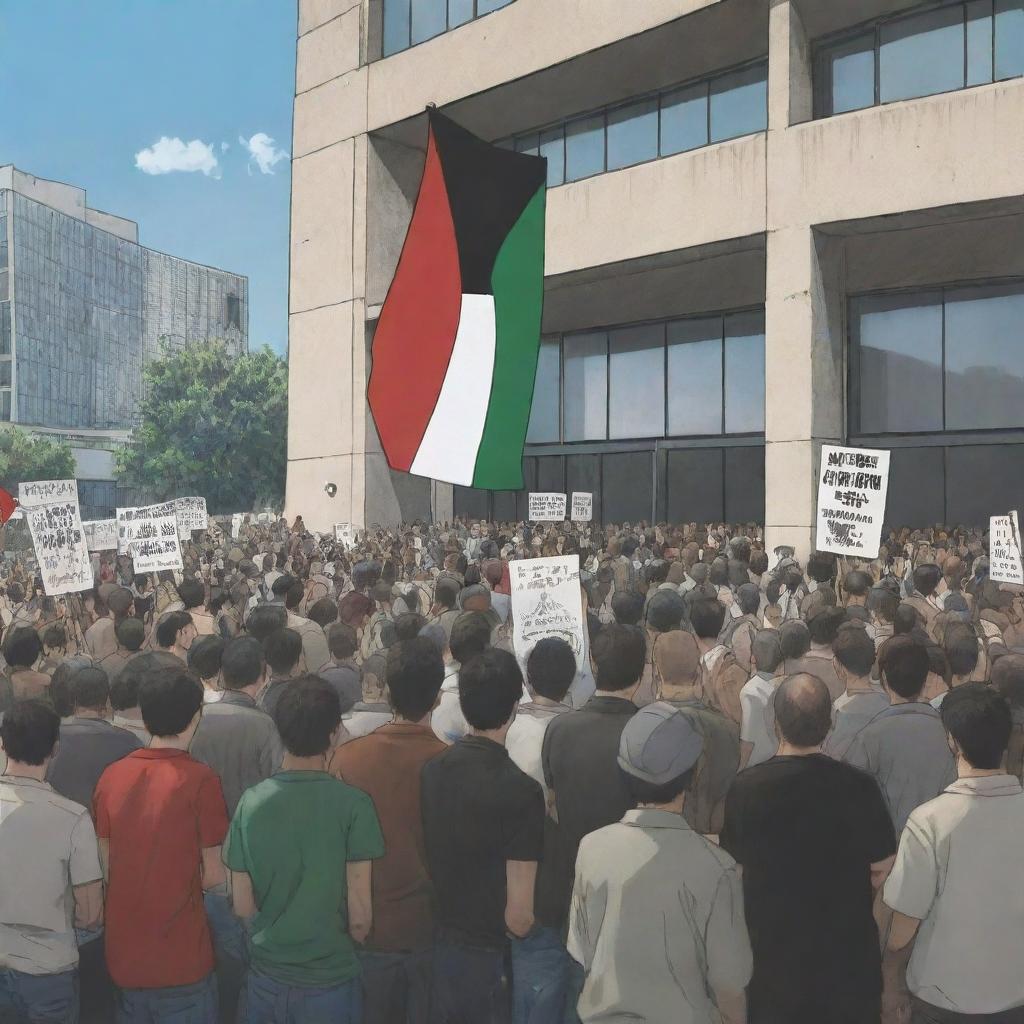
x=455, y=350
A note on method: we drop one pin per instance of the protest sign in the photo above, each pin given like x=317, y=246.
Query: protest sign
x=150, y=536
x=582, y=507
x=546, y=601
x=852, y=486
x=47, y=492
x=547, y=507
x=236, y=524
x=191, y=513
x=1004, y=553
x=344, y=534
x=101, y=534
x=55, y=523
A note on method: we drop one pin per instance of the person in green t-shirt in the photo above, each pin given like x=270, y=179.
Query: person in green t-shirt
x=299, y=851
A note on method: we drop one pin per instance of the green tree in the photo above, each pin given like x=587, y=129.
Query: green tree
x=25, y=456
x=211, y=425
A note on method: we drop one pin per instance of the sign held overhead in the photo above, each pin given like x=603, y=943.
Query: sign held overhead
x=852, y=487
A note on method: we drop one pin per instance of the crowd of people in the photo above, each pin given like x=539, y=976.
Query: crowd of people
x=298, y=782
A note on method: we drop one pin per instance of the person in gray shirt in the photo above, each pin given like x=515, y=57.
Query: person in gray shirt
x=341, y=671
x=862, y=699
x=904, y=747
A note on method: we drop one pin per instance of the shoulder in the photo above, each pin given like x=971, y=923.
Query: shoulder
x=67, y=810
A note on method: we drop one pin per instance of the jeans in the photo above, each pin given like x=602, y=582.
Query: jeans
x=540, y=977
x=577, y=979
x=38, y=998
x=396, y=987
x=229, y=945
x=177, y=1004
x=469, y=985
x=268, y=1001
x=95, y=989
x=925, y=1013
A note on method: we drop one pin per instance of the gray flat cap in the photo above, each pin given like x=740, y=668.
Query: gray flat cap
x=659, y=744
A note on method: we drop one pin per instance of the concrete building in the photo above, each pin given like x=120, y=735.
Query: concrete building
x=83, y=308
x=771, y=224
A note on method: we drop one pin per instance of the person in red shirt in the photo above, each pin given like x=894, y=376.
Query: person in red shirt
x=161, y=819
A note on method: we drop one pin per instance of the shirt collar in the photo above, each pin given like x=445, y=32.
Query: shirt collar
x=237, y=697
x=610, y=705
x=22, y=780
x=482, y=743
x=914, y=707
x=158, y=753
x=987, y=785
x=647, y=817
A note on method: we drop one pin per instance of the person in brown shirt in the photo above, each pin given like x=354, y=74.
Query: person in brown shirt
x=386, y=764
x=22, y=648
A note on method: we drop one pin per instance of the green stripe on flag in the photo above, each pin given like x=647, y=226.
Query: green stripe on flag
x=518, y=286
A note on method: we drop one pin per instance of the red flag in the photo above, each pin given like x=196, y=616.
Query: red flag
x=7, y=506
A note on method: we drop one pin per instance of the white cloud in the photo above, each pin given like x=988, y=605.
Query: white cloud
x=224, y=147
x=167, y=155
x=262, y=152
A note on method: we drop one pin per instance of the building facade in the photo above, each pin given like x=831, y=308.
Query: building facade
x=83, y=308
x=771, y=224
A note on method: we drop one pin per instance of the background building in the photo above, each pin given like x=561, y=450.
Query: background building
x=83, y=307
x=771, y=224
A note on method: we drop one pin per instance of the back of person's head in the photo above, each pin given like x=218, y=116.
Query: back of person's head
x=323, y=612
x=169, y=698
x=265, y=619
x=938, y=664
x=883, y=602
x=280, y=587
x=354, y=608
x=855, y=651
x=795, y=638
x=490, y=686
x=294, y=594
x=471, y=634
x=665, y=611
x=766, y=650
x=282, y=649
x=342, y=641
x=415, y=672
x=408, y=626
x=22, y=647
x=960, y=645
x=55, y=637
x=803, y=710
x=307, y=716
x=446, y=592
x=738, y=574
x=130, y=633
x=821, y=567
x=926, y=578
x=905, y=618
x=242, y=663
x=718, y=572
x=1008, y=678
x=627, y=607
x=759, y=562
x=699, y=572
x=204, y=656
x=824, y=626
x=656, y=572
x=658, y=752
x=169, y=626
x=119, y=601
x=676, y=658
x=16, y=592
x=434, y=632
x=980, y=721
x=29, y=732
x=619, y=653
x=551, y=668
x=904, y=668
x=739, y=549
x=857, y=583
x=90, y=689
x=706, y=616
x=748, y=597
x=192, y=593
x=773, y=591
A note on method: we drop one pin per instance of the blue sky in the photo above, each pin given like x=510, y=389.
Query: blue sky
x=88, y=84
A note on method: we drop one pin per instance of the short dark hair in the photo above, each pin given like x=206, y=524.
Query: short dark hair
x=204, y=656
x=342, y=640
x=30, y=731
x=323, y=612
x=627, y=607
x=169, y=699
x=665, y=611
x=22, y=647
x=883, y=602
x=446, y=592
x=821, y=567
x=857, y=583
x=408, y=625
x=282, y=649
x=265, y=619
x=706, y=616
x=130, y=633
x=471, y=634
x=242, y=662
x=824, y=626
x=926, y=578
x=748, y=597
x=57, y=636
x=979, y=720
x=415, y=672
x=854, y=650
x=904, y=668
x=551, y=668
x=803, y=710
x=124, y=690
x=960, y=644
x=283, y=583
x=192, y=593
x=294, y=594
x=1008, y=678
x=168, y=627
x=644, y=792
x=90, y=688
x=307, y=714
x=490, y=685
x=795, y=638
x=619, y=654
x=766, y=650
x=938, y=664
x=905, y=618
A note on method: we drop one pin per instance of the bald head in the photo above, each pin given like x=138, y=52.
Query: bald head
x=803, y=710
x=677, y=659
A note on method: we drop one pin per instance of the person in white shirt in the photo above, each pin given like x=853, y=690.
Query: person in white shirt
x=955, y=883
x=758, y=739
x=471, y=634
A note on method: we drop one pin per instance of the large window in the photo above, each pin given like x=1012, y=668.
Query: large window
x=686, y=117
x=933, y=49
x=948, y=359
x=700, y=376
x=408, y=22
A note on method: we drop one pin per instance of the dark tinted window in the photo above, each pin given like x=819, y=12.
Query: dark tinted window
x=695, y=377
x=632, y=134
x=1009, y=42
x=744, y=373
x=739, y=103
x=636, y=405
x=850, y=68
x=584, y=147
x=684, y=119
x=544, y=414
x=585, y=386
x=922, y=54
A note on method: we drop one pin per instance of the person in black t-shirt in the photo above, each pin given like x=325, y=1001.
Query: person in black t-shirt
x=483, y=826
x=815, y=841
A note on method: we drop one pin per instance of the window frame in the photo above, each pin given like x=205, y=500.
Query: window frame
x=449, y=27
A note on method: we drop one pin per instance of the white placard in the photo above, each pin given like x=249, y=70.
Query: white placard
x=191, y=513
x=34, y=493
x=546, y=601
x=852, y=485
x=236, y=524
x=58, y=538
x=344, y=534
x=150, y=536
x=1004, y=552
x=547, y=507
x=101, y=534
x=582, y=506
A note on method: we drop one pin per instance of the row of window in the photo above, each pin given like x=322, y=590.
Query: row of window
x=408, y=22
x=715, y=109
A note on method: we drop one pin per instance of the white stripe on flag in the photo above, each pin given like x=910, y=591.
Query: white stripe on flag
x=452, y=439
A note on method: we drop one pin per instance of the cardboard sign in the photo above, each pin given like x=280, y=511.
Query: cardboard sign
x=101, y=534
x=1004, y=551
x=150, y=536
x=852, y=486
x=191, y=513
x=582, y=507
x=47, y=492
x=547, y=507
x=344, y=534
x=546, y=601
x=55, y=522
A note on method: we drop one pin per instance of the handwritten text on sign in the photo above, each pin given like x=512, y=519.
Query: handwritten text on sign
x=852, y=486
x=101, y=534
x=582, y=506
x=547, y=507
x=150, y=536
x=34, y=493
x=191, y=513
x=1004, y=552
x=546, y=601
x=59, y=541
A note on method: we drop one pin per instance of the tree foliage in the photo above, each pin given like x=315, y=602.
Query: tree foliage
x=25, y=456
x=212, y=425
